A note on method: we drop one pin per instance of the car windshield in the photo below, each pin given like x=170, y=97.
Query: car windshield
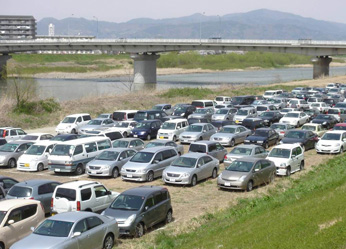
x=309, y=127
x=281, y=153
x=9, y=147
x=275, y=101
x=180, y=109
x=339, y=128
x=201, y=111
x=141, y=115
x=168, y=126
x=62, y=150
x=228, y=130
x=54, y=228
x=36, y=150
x=295, y=134
x=240, y=166
x=185, y=162
x=237, y=100
x=120, y=144
x=331, y=136
x=292, y=115
x=315, y=105
x=29, y=137
x=121, y=124
x=267, y=114
x=142, y=157
x=242, y=112
x=278, y=127
x=19, y=191
x=241, y=151
x=194, y=128
x=108, y=155
x=222, y=111
x=157, y=107
x=68, y=120
x=261, y=133
x=143, y=125
x=269, y=93
x=60, y=138
x=128, y=202
x=95, y=122
x=321, y=116
x=294, y=102
x=154, y=144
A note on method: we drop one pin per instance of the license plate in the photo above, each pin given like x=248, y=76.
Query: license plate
x=237, y=121
x=135, y=135
x=57, y=170
x=227, y=184
x=162, y=137
x=129, y=176
x=93, y=172
x=26, y=165
x=172, y=180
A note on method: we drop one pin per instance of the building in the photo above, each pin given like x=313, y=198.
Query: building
x=51, y=29
x=17, y=27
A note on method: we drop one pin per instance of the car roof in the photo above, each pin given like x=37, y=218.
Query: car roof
x=6, y=205
x=82, y=140
x=336, y=132
x=78, y=114
x=78, y=184
x=37, y=134
x=143, y=190
x=195, y=155
x=162, y=141
x=177, y=120
x=127, y=111
x=286, y=146
x=72, y=216
x=127, y=139
x=264, y=129
x=207, y=142
x=250, y=159
x=248, y=146
x=33, y=182
x=199, y=124
x=155, y=149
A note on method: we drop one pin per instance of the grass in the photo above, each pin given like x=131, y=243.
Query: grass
x=310, y=214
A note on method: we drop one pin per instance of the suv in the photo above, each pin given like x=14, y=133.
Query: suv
x=11, y=134
x=81, y=196
x=172, y=129
x=203, y=103
x=184, y=110
x=300, y=104
x=145, y=207
x=214, y=149
x=72, y=123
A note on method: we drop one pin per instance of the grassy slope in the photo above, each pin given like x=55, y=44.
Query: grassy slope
x=310, y=214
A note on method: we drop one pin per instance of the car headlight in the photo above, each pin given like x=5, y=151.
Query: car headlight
x=242, y=178
x=182, y=114
x=283, y=164
x=142, y=132
x=129, y=220
x=106, y=167
x=324, y=123
x=220, y=176
x=185, y=175
x=141, y=171
x=260, y=141
x=338, y=144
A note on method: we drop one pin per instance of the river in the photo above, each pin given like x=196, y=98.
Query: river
x=70, y=89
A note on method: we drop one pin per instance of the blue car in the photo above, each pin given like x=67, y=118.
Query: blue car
x=146, y=129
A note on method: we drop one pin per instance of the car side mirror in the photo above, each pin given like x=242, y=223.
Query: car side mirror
x=108, y=192
x=50, y=151
x=76, y=234
x=10, y=222
x=32, y=228
x=204, y=130
x=146, y=208
x=344, y=140
x=131, y=146
x=293, y=157
x=121, y=158
x=256, y=170
x=156, y=161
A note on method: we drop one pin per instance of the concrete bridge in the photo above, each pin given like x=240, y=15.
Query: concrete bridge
x=145, y=52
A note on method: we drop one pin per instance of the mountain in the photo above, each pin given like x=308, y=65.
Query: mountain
x=257, y=24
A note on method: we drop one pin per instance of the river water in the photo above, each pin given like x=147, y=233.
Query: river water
x=69, y=89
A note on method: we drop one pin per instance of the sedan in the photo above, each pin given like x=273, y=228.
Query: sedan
x=166, y=142
x=230, y=135
x=191, y=168
x=72, y=230
x=332, y=142
x=306, y=139
x=203, y=113
x=281, y=128
x=247, y=150
x=133, y=143
x=326, y=120
x=10, y=152
x=263, y=136
x=295, y=118
x=224, y=114
x=194, y=132
x=270, y=117
x=246, y=173
x=95, y=124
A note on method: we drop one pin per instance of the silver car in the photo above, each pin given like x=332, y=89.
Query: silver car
x=281, y=128
x=246, y=150
x=191, y=168
x=95, y=124
x=72, y=230
x=230, y=135
x=203, y=113
x=197, y=131
x=212, y=148
x=133, y=143
x=166, y=142
x=246, y=173
x=224, y=114
x=148, y=164
x=10, y=152
x=109, y=162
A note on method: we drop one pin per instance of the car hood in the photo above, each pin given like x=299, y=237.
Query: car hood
x=178, y=170
x=119, y=214
x=34, y=241
x=319, y=121
x=277, y=160
x=329, y=142
x=233, y=175
x=101, y=163
x=219, y=115
x=287, y=140
x=136, y=166
x=256, y=138
x=190, y=133
x=28, y=158
x=223, y=135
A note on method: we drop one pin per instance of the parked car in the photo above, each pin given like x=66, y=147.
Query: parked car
x=184, y=110
x=279, y=103
x=288, y=158
x=271, y=94
x=172, y=129
x=18, y=216
x=281, y=128
x=244, y=113
x=203, y=103
x=150, y=115
x=270, y=117
x=105, y=115
x=230, y=135
x=95, y=124
x=123, y=115
x=72, y=230
x=191, y=168
x=140, y=208
x=81, y=196
x=315, y=128
x=107, y=132
x=109, y=162
x=300, y=104
x=326, y=120
x=306, y=139
x=339, y=114
x=36, y=157
x=247, y=173
x=166, y=142
x=194, y=132
x=332, y=142
x=10, y=152
x=148, y=164
x=72, y=123
x=206, y=113
x=295, y=118
x=167, y=108
x=299, y=90
x=312, y=113
x=239, y=101
x=212, y=148
x=11, y=134
x=245, y=150
x=219, y=100
x=339, y=127
x=219, y=124
x=224, y=114
x=287, y=110
x=330, y=102
x=263, y=136
x=34, y=137
x=133, y=143
x=321, y=106
x=253, y=123
x=125, y=127
x=146, y=129
x=64, y=137
x=41, y=190
x=198, y=120
x=265, y=108
x=314, y=100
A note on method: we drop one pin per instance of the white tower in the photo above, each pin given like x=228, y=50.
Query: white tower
x=51, y=29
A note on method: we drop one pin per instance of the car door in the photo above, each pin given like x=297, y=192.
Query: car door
x=159, y=207
x=157, y=164
x=139, y=145
x=242, y=134
x=209, y=166
x=149, y=213
x=15, y=231
x=295, y=160
x=45, y=193
x=91, y=151
x=102, y=198
x=13, y=135
x=201, y=170
x=84, y=240
x=79, y=123
x=266, y=170
x=212, y=151
x=257, y=174
x=221, y=152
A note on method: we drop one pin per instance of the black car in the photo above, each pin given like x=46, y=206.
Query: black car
x=307, y=139
x=312, y=113
x=326, y=120
x=330, y=102
x=270, y=117
x=150, y=115
x=263, y=136
x=253, y=123
x=240, y=101
x=3, y=141
x=198, y=120
x=184, y=110
x=222, y=123
x=64, y=137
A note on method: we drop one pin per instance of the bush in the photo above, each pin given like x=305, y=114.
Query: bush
x=196, y=93
x=37, y=107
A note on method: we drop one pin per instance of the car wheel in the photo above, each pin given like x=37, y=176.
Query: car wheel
x=214, y=174
x=194, y=181
x=40, y=167
x=73, y=131
x=301, y=167
x=288, y=171
x=2, y=246
x=232, y=143
x=139, y=230
x=115, y=172
x=150, y=176
x=79, y=170
x=174, y=138
x=249, y=186
x=12, y=163
x=125, y=134
x=169, y=217
x=298, y=124
x=108, y=243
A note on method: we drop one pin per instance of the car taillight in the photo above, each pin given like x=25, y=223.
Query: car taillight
x=51, y=203
x=78, y=205
x=125, y=116
x=31, y=198
x=225, y=157
x=4, y=133
x=339, y=113
x=282, y=132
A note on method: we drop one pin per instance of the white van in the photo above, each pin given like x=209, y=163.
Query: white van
x=272, y=94
x=203, y=103
x=172, y=129
x=220, y=100
x=73, y=155
x=36, y=157
x=72, y=123
x=124, y=115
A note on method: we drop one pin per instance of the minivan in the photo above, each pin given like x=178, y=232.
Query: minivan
x=212, y=148
x=172, y=129
x=243, y=113
x=203, y=103
x=146, y=129
x=73, y=155
x=72, y=123
x=124, y=115
x=150, y=115
x=219, y=100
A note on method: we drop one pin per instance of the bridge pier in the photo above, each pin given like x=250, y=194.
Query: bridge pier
x=144, y=68
x=3, y=65
x=321, y=66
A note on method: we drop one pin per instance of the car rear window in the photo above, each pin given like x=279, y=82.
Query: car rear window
x=69, y=194
x=201, y=148
x=20, y=191
x=119, y=116
x=198, y=104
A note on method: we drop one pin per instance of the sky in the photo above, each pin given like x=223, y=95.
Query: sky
x=122, y=11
